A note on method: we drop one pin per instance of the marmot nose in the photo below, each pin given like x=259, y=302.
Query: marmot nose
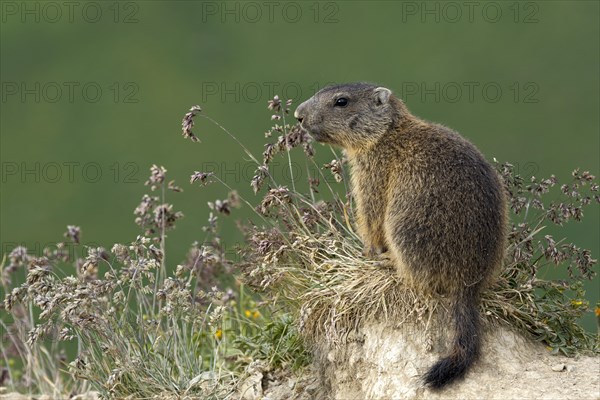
x=299, y=113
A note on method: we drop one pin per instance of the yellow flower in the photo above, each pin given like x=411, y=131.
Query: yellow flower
x=248, y=313
x=576, y=302
x=597, y=311
x=219, y=334
x=256, y=314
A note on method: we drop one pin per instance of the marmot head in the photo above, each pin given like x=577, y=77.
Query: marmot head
x=353, y=115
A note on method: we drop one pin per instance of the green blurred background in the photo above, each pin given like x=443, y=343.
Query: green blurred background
x=93, y=94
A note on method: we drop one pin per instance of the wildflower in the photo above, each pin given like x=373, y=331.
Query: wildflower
x=274, y=104
x=263, y=247
x=79, y=364
x=36, y=333
x=89, y=269
x=171, y=186
x=276, y=128
x=597, y=312
x=586, y=176
x=274, y=197
x=259, y=176
x=216, y=315
x=552, y=252
x=229, y=296
x=165, y=216
x=39, y=270
x=314, y=184
x=336, y=169
x=234, y=199
x=270, y=150
x=144, y=216
x=14, y=297
x=256, y=314
x=119, y=298
x=188, y=123
x=201, y=176
x=298, y=136
x=219, y=334
x=120, y=251
x=221, y=206
x=248, y=313
x=157, y=177
x=156, y=253
x=73, y=233
x=576, y=303
x=212, y=224
x=18, y=257
x=66, y=334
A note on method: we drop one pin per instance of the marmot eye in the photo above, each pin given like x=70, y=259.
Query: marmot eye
x=341, y=102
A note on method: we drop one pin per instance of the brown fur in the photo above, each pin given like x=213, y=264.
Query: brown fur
x=425, y=195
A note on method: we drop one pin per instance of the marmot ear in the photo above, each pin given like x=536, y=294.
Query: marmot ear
x=382, y=95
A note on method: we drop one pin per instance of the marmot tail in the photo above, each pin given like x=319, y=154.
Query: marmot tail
x=465, y=348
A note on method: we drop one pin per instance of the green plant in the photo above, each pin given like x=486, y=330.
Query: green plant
x=140, y=330
x=547, y=310
x=276, y=342
x=134, y=326
x=144, y=328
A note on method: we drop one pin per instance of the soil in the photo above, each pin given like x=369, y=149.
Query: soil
x=387, y=363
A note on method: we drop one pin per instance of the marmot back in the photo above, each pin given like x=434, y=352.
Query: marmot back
x=425, y=195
